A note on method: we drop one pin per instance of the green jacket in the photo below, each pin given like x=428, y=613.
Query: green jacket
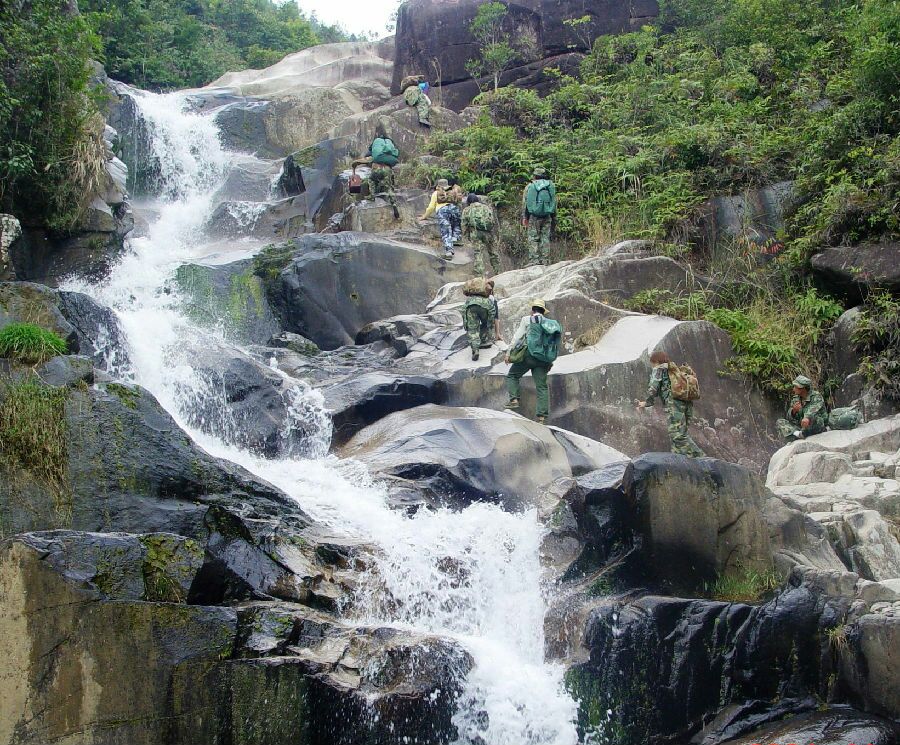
x=813, y=409
x=660, y=386
x=482, y=302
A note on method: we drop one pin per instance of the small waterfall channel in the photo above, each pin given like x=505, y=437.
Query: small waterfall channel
x=474, y=575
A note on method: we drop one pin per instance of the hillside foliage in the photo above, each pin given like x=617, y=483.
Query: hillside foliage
x=718, y=97
x=163, y=44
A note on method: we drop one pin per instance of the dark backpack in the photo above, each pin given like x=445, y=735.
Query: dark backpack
x=543, y=340
x=385, y=152
x=540, y=198
x=354, y=183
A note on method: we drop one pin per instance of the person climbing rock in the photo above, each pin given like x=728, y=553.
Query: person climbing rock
x=539, y=216
x=444, y=205
x=383, y=155
x=534, y=348
x=680, y=412
x=480, y=314
x=415, y=93
x=806, y=414
x=478, y=224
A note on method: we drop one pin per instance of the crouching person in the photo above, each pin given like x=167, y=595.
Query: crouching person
x=534, y=348
x=677, y=397
x=806, y=414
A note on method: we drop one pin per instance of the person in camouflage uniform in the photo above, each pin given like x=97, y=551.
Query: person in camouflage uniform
x=415, y=93
x=480, y=319
x=806, y=415
x=538, y=227
x=680, y=413
x=478, y=227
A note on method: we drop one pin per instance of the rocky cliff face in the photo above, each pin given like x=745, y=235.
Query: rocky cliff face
x=433, y=39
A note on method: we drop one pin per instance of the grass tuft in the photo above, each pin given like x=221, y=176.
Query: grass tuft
x=30, y=344
x=746, y=586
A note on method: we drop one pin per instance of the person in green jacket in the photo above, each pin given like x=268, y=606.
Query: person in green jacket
x=383, y=156
x=480, y=319
x=679, y=413
x=478, y=225
x=539, y=370
x=539, y=216
x=806, y=414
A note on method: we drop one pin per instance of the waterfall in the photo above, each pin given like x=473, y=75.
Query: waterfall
x=473, y=576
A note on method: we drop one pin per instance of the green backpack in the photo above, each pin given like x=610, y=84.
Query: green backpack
x=540, y=198
x=543, y=340
x=385, y=152
x=845, y=417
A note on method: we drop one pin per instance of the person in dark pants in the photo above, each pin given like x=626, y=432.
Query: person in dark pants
x=538, y=369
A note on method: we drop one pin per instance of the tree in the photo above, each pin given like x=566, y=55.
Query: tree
x=495, y=46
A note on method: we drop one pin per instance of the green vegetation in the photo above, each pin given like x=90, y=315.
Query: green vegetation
x=33, y=437
x=177, y=43
x=30, y=344
x=719, y=97
x=495, y=52
x=51, y=147
x=744, y=586
x=877, y=336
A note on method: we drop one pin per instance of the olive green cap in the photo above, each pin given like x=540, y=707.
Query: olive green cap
x=540, y=172
x=801, y=381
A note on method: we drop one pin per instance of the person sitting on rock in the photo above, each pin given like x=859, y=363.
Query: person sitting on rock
x=533, y=348
x=383, y=155
x=415, y=93
x=679, y=412
x=478, y=224
x=480, y=317
x=445, y=205
x=539, y=216
x=806, y=414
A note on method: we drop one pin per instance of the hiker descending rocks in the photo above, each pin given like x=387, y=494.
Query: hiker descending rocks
x=415, y=93
x=445, y=205
x=539, y=203
x=383, y=155
x=480, y=314
x=534, y=347
x=478, y=225
x=806, y=414
x=678, y=387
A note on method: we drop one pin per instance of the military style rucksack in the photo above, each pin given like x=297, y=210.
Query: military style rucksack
x=845, y=417
x=685, y=386
x=540, y=198
x=543, y=339
x=411, y=95
x=481, y=216
x=385, y=152
x=448, y=196
x=476, y=287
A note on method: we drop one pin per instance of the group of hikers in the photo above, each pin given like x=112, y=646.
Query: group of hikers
x=535, y=344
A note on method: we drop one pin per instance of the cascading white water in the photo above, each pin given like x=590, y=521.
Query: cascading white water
x=472, y=575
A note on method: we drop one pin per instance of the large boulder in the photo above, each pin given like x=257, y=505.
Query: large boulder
x=853, y=270
x=754, y=217
x=434, y=39
x=699, y=519
x=465, y=454
x=327, y=287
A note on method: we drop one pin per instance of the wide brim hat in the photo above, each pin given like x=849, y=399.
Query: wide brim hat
x=538, y=303
x=442, y=183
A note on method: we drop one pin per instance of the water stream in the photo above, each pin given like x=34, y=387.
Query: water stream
x=473, y=575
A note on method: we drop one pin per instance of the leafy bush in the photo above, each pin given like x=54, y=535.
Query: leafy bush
x=50, y=131
x=744, y=586
x=877, y=337
x=30, y=344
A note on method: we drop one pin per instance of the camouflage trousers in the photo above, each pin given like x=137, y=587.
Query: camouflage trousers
x=381, y=182
x=539, y=240
x=449, y=221
x=786, y=429
x=423, y=109
x=680, y=415
x=478, y=327
x=484, y=244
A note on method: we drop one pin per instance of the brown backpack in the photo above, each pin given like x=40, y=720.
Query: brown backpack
x=477, y=287
x=685, y=386
x=354, y=183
